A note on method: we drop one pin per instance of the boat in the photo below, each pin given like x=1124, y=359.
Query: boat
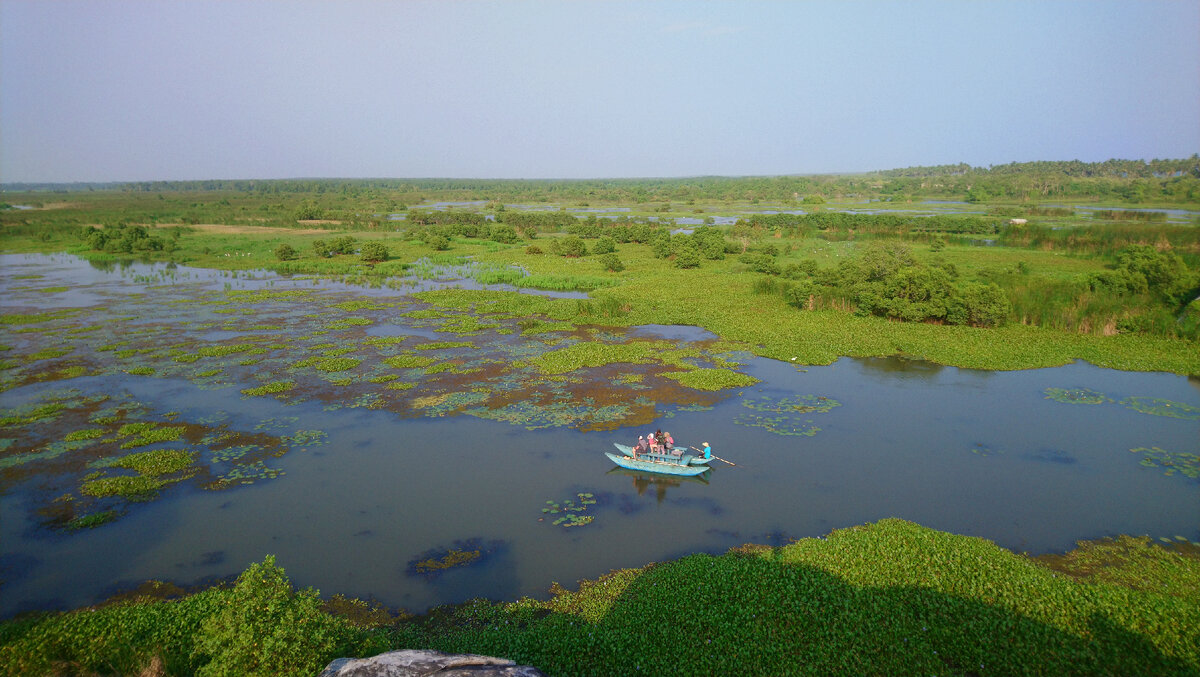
x=693, y=460
x=664, y=467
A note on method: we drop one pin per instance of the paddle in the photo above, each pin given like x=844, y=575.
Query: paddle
x=717, y=457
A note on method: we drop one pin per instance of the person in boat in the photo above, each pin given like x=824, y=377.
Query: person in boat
x=661, y=440
x=652, y=441
x=707, y=451
x=641, y=447
x=670, y=441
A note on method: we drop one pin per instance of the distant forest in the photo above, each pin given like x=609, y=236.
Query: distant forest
x=1131, y=181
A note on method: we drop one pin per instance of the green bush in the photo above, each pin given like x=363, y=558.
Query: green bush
x=285, y=252
x=265, y=628
x=374, y=252
x=611, y=262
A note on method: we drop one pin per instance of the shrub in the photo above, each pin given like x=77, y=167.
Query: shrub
x=572, y=246
x=265, y=628
x=605, y=245
x=533, y=250
x=438, y=242
x=611, y=262
x=285, y=252
x=374, y=252
x=321, y=248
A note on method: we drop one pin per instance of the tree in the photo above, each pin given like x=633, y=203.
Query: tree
x=438, y=242
x=322, y=249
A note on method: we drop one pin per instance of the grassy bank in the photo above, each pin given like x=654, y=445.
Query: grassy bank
x=886, y=598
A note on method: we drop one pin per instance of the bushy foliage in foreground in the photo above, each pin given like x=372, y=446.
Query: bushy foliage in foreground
x=888, y=598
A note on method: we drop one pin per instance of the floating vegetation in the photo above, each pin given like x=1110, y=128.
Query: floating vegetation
x=407, y=361
x=1159, y=407
x=432, y=563
x=246, y=474
x=780, y=425
x=1076, y=396
x=984, y=450
x=439, y=345
x=786, y=411
x=800, y=404
x=92, y=521
x=329, y=364
x=1183, y=463
x=272, y=388
x=348, y=322
x=572, y=513
x=712, y=379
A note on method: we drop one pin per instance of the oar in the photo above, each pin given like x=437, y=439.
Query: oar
x=717, y=457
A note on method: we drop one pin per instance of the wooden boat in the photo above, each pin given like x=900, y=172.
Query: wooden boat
x=664, y=467
x=693, y=460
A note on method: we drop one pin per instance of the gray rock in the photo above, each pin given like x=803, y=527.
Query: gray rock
x=422, y=662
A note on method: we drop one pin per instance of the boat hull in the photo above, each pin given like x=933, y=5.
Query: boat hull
x=656, y=466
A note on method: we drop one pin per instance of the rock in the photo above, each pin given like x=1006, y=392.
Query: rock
x=422, y=662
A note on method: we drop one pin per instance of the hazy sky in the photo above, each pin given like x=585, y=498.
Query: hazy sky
x=172, y=89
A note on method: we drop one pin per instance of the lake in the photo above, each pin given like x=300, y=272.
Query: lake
x=423, y=454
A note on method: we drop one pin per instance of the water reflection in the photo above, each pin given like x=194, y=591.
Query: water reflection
x=644, y=481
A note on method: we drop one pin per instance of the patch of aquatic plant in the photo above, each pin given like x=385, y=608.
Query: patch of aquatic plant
x=37, y=318
x=84, y=434
x=30, y=413
x=148, y=433
x=1156, y=406
x=141, y=371
x=348, y=322
x=439, y=345
x=273, y=388
x=436, y=561
x=131, y=487
x=711, y=379
x=364, y=401
x=799, y=404
x=984, y=450
x=361, y=304
x=452, y=558
x=383, y=378
x=264, y=295
x=400, y=386
x=780, y=425
x=407, y=361
x=450, y=368
x=466, y=325
x=213, y=372
x=93, y=520
x=246, y=474
x=153, y=463
x=48, y=354
x=428, y=314
x=1133, y=562
x=570, y=511
x=305, y=439
x=1184, y=463
x=329, y=364
x=1076, y=396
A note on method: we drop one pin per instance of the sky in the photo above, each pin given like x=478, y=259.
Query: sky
x=122, y=90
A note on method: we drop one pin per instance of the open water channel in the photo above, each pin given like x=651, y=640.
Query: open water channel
x=422, y=454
